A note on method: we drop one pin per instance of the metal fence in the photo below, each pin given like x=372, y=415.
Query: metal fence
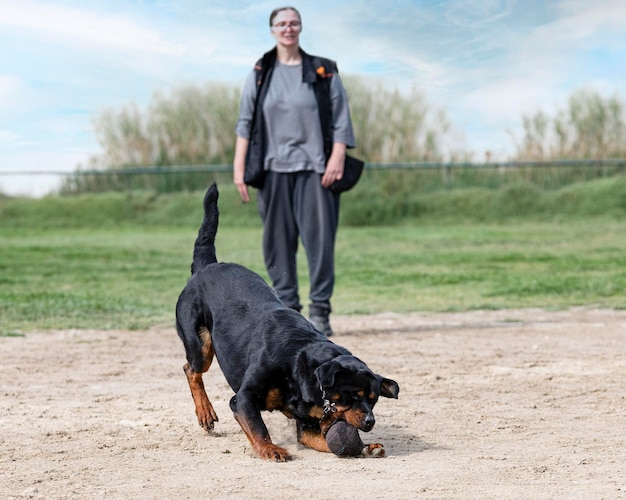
x=422, y=177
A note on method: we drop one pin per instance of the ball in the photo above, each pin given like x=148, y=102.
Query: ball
x=344, y=440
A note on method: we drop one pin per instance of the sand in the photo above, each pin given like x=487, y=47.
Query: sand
x=493, y=404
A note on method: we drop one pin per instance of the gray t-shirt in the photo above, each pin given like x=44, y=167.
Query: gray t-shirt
x=292, y=123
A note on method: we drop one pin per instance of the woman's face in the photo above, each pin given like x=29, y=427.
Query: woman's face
x=286, y=28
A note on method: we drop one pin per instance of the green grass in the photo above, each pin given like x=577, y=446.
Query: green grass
x=380, y=199
x=453, y=268
x=130, y=277
x=119, y=260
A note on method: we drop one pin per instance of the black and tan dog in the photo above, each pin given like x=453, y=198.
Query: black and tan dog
x=271, y=356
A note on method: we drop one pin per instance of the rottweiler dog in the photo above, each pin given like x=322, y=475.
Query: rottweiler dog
x=271, y=356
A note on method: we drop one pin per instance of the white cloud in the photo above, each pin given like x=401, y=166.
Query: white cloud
x=93, y=28
x=540, y=70
x=15, y=100
x=470, y=13
x=593, y=15
x=10, y=137
x=29, y=185
x=581, y=25
x=9, y=88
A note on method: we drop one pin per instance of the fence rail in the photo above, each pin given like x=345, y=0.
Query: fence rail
x=421, y=176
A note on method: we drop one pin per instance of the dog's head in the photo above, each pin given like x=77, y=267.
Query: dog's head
x=350, y=390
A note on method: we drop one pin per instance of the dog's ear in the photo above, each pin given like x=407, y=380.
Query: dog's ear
x=327, y=372
x=388, y=388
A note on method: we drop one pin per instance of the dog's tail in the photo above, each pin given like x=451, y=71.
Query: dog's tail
x=204, y=249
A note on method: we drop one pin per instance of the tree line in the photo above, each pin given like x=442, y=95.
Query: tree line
x=195, y=125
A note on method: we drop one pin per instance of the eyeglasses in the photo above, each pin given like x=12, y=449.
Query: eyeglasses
x=296, y=25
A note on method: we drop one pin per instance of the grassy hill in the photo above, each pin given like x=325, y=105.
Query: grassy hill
x=369, y=204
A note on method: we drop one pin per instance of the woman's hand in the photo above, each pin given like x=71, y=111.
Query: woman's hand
x=239, y=168
x=241, y=186
x=335, y=165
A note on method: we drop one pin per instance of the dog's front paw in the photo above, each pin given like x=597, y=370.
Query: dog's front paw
x=374, y=450
x=207, y=417
x=274, y=453
x=207, y=424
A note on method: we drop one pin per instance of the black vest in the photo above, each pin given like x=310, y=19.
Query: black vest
x=315, y=70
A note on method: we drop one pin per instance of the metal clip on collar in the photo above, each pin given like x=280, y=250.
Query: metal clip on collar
x=328, y=406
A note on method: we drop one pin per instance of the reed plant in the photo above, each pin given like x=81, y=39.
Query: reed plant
x=195, y=125
x=591, y=126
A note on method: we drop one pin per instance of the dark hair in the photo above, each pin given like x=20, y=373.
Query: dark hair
x=275, y=12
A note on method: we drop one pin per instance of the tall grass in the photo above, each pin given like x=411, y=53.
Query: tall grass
x=591, y=126
x=195, y=125
x=190, y=125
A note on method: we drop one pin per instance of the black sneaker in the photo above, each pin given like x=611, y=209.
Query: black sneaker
x=318, y=315
x=322, y=324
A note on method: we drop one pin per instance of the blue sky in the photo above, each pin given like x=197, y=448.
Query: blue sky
x=486, y=63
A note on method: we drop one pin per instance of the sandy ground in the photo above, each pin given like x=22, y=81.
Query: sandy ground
x=504, y=404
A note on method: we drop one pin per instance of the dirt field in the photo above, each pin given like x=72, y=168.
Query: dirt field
x=505, y=404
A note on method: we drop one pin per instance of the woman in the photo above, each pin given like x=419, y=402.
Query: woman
x=293, y=130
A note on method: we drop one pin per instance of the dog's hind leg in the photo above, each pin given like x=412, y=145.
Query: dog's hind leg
x=204, y=409
x=311, y=437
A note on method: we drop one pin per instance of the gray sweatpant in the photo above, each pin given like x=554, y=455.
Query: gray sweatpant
x=292, y=206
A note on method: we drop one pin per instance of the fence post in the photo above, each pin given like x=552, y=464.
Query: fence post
x=448, y=175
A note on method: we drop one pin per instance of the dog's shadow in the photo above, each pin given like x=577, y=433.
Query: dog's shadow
x=397, y=438
x=398, y=441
